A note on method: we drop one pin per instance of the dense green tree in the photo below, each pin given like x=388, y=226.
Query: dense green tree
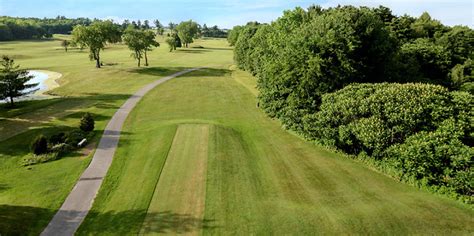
x=233, y=35
x=13, y=80
x=459, y=41
x=95, y=37
x=146, y=24
x=87, y=122
x=65, y=44
x=39, y=145
x=12, y=28
x=462, y=76
x=172, y=26
x=159, y=27
x=424, y=61
x=187, y=32
x=426, y=27
x=149, y=42
x=140, y=42
x=173, y=41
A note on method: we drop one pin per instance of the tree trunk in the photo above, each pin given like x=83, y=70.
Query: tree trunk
x=146, y=60
x=97, y=59
x=11, y=101
x=138, y=62
x=65, y=48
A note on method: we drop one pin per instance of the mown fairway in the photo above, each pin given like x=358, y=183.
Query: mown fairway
x=195, y=156
x=260, y=179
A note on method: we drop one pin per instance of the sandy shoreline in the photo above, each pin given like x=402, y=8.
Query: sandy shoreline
x=51, y=82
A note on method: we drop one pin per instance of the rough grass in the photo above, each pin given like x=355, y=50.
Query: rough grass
x=260, y=179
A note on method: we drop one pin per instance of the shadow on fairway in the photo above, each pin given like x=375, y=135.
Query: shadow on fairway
x=160, y=71
x=169, y=222
x=23, y=220
x=193, y=50
x=27, y=220
x=126, y=222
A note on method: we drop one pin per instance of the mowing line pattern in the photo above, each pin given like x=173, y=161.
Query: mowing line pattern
x=179, y=200
x=80, y=199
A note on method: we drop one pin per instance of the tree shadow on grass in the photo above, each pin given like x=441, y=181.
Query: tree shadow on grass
x=28, y=220
x=193, y=50
x=158, y=222
x=23, y=220
x=160, y=71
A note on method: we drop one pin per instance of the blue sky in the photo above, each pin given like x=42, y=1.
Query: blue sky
x=223, y=13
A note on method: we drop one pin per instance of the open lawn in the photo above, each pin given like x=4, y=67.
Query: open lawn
x=195, y=156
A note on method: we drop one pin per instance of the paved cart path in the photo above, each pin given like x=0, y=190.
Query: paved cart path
x=80, y=199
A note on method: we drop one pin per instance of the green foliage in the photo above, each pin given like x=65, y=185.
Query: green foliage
x=173, y=41
x=423, y=131
x=96, y=36
x=187, y=31
x=140, y=42
x=65, y=44
x=233, y=35
x=87, y=123
x=13, y=80
x=213, y=32
x=14, y=28
x=39, y=145
x=37, y=159
x=74, y=137
x=462, y=76
x=159, y=27
x=57, y=138
x=424, y=61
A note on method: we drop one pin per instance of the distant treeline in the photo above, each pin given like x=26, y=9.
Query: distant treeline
x=213, y=32
x=17, y=28
x=14, y=28
x=393, y=90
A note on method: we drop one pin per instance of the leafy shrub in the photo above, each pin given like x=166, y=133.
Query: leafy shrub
x=57, y=138
x=74, y=137
x=61, y=148
x=436, y=158
x=32, y=159
x=39, y=145
x=424, y=132
x=87, y=123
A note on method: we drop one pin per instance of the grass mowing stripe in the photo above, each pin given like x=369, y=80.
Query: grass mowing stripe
x=179, y=199
x=158, y=179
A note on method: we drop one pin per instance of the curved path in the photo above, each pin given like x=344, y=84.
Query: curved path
x=80, y=199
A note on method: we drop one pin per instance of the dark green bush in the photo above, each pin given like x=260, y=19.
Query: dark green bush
x=57, y=138
x=87, y=123
x=39, y=145
x=74, y=137
x=423, y=132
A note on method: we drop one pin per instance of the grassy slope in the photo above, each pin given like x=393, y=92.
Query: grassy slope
x=260, y=179
x=29, y=198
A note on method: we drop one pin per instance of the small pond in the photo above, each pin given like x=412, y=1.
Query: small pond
x=39, y=78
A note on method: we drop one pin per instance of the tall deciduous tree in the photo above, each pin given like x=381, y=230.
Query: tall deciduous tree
x=187, y=31
x=13, y=80
x=140, y=42
x=96, y=36
x=65, y=44
x=159, y=27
